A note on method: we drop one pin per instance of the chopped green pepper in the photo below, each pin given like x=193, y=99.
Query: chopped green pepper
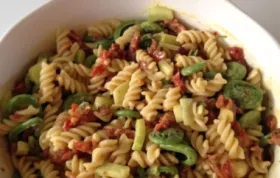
x=167, y=136
x=77, y=98
x=145, y=41
x=171, y=170
x=235, y=71
x=80, y=56
x=90, y=60
x=186, y=71
x=244, y=94
x=250, y=119
x=106, y=44
x=150, y=27
x=140, y=134
x=20, y=102
x=122, y=27
x=190, y=156
x=13, y=135
x=128, y=113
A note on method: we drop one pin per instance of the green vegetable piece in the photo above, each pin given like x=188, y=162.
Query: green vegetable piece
x=103, y=101
x=34, y=73
x=77, y=98
x=190, y=156
x=88, y=38
x=20, y=102
x=186, y=71
x=166, y=82
x=106, y=44
x=141, y=172
x=128, y=113
x=166, y=68
x=150, y=27
x=13, y=135
x=120, y=92
x=159, y=13
x=235, y=71
x=16, y=174
x=145, y=41
x=168, y=39
x=167, y=136
x=80, y=56
x=122, y=27
x=209, y=75
x=153, y=171
x=140, y=133
x=171, y=170
x=244, y=94
x=250, y=119
x=186, y=108
x=90, y=60
x=113, y=170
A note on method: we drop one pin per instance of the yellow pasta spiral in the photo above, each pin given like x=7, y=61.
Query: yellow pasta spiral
x=96, y=82
x=117, y=65
x=172, y=98
x=216, y=65
x=255, y=133
x=121, y=77
x=80, y=69
x=198, y=142
x=194, y=36
x=63, y=43
x=75, y=165
x=6, y=125
x=134, y=90
x=150, y=112
x=47, y=169
x=26, y=168
x=153, y=152
x=215, y=144
x=104, y=28
x=254, y=77
x=127, y=35
x=47, y=78
x=211, y=49
x=259, y=165
x=69, y=83
x=185, y=61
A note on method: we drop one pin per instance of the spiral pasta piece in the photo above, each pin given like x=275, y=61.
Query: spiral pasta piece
x=211, y=49
x=75, y=165
x=96, y=82
x=61, y=140
x=172, y=98
x=146, y=60
x=198, y=142
x=101, y=153
x=216, y=65
x=117, y=65
x=185, y=61
x=63, y=43
x=80, y=69
x=148, y=95
x=255, y=133
x=194, y=36
x=47, y=169
x=127, y=35
x=150, y=112
x=6, y=125
x=121, y=77
x=104, y=28
x=167, y=159
x=47, y=78
x=69, y=83
x=254, y=77
x=255, y=174
x=26, y=168
x=121, y=154
x=229, y=140
x=215, y=144
x=134, y=90
x=259, y=165
x=239, y=168
x=153, y=152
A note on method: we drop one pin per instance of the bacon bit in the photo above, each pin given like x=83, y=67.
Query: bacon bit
x=155, y=51
x=178, y=82
x=46, y=153
x=74, y=37
x=223, y=171
x=134, y=45
x=183, y=51
x=237, y=54
x=227, y=169
x=67, y=125
x=85, y=147
x=152, y=47
x=275, y=137
x=271, y=122
x=241, y=135
x=62, y=155
x=222, y=102
x=143, y=65
x=116, y=133
x=16, y=117
x=166, y=121
x=114, y=52
x=184, y=172
x=174, y=25
x=151, y=123
x=257, y=151
x=74, y=107
x=212, y=110
x=98, y=70
x=88, y=116
x=20, y=88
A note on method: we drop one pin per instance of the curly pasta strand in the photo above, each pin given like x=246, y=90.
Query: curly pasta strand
x=47, y=78
x=172, y=98
x=26, y=168
x=167, y=159
x=194, y=36
x=139, y=158
x=255, y=174
x=153, y=152
x=63, y=43
x=216, y=65
x=259, y=165
x=154, y=86
x=104, y=28
x=6, y=125
x=75, y=165
x=69, y=83
x=146, y=60
x=185, y=61
x=254, y=77
x=96, y=82
x=127, y=35
x=150, y=112
x=117, y=65
x=134, y=90
x=61, y=141
x=255, y=133
x=215, y=144
x=80, y=69
x=198, y=142
x=211, y=49
x=229, y=140
x=68, y=55
x=121, y=77
x=29, y=111
x=121, y=154
x=47, y=169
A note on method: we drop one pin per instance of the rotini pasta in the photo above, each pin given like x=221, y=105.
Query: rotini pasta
x=194, y=36
x=104, y=28
x=47, y=169
x=127, y=36
x=254, y=77
x=69, y=83
x=172, y=98
x=47, y=78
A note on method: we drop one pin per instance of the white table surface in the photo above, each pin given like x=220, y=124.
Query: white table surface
x=265, y=12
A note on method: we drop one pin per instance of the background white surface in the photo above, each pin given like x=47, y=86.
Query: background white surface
x=265, y=12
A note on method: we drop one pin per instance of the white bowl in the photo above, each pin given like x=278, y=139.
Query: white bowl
x=36, y=33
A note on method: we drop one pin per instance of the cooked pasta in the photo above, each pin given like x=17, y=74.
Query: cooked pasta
x=140, y=99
